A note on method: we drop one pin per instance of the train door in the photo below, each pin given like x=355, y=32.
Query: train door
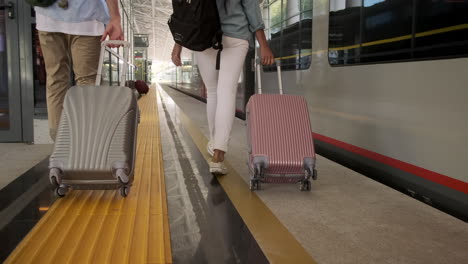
x=10, y=91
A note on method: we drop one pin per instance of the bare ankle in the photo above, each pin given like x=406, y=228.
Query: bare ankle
x=218, y=156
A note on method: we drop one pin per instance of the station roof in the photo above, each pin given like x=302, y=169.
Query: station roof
x=150, y=17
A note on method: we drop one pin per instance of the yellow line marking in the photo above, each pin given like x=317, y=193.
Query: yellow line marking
x=292, y=56
x=442, y=30
x=100, y=226
x=346, y=47
x=383, y=41
x=276, y=242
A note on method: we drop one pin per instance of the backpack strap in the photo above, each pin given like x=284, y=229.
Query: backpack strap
x=218, y=59
x=218, y=46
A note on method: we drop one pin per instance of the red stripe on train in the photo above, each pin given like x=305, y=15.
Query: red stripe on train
x=418, y=171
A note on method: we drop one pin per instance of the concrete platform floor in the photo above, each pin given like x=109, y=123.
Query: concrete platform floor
x=41, y=131
x=17, y=158
x=347, y=217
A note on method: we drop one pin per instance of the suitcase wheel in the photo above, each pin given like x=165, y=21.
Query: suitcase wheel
x=255, y=185
x=61, y=191
x=124, y=190
x=311, y=173
x=55, y=176
x=305, y=186
x=122, y=176
x=54, y=182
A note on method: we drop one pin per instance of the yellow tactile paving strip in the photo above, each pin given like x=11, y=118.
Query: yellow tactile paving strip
x=103, y=227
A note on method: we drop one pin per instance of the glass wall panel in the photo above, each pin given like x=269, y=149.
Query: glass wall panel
x=114, y=69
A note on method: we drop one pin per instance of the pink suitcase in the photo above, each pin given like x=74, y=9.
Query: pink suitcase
x=281, y=148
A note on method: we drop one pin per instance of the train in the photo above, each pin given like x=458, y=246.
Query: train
x=386, y=83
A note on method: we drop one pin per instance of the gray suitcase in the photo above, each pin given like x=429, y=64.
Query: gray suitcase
x=96, y=139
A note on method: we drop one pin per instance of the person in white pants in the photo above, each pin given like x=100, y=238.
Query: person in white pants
x=239, y=19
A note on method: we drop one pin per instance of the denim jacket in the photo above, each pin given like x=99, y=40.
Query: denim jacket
x=77, y=11
x=240, y=18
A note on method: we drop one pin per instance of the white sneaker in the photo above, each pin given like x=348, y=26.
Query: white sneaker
x=218, y=168
x=209, y=148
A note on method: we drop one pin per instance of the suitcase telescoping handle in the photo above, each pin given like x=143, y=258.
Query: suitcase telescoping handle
x=123, y=72
x=259, y=75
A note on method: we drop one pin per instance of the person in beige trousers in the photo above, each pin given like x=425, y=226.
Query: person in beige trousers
x=70, y=37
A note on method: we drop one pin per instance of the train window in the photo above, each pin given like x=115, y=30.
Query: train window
x=290, y=44
x=374, y=31
x=289, y=24
x=306, y=41
x=383, y=25
x=344, y=33
x=441, y=29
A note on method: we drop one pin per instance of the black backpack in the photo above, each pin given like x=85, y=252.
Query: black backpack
x=195, y=25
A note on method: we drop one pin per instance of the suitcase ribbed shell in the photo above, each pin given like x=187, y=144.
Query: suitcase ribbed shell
x=97, y=131
x=279, y=129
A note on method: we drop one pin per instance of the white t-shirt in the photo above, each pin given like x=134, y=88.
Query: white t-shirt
x=86, y=28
